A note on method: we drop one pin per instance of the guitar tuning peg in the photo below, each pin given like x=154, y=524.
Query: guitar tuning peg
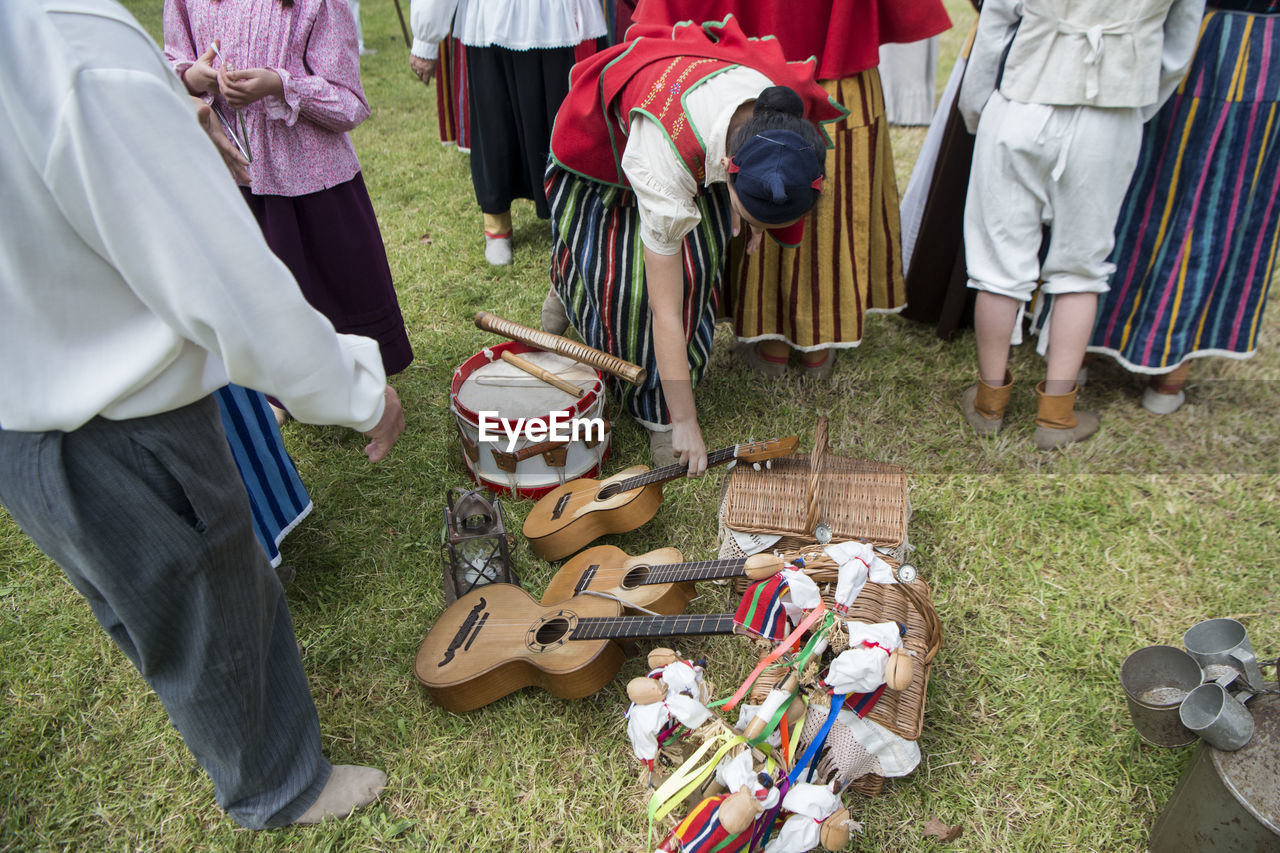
x=768, y=464
x=732, y=464
x=755, y=465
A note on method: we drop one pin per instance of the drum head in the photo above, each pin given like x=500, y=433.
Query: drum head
x=506, y=389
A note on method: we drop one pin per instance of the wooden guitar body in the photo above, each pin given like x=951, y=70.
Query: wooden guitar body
x=572, y=515
x=612, y=571
x=496, y=639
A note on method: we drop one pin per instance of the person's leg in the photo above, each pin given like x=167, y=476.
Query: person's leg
x=1070, y=327
x=1004, y=210
x=150, y=522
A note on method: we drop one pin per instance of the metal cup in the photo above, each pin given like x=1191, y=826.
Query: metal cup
x=1156, y=679
x=1217, y=717
x=1221, y=647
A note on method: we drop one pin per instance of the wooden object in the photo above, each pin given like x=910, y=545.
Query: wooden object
x=644, y=690
x=657, y=581
x=633, y=373
x=541, y=373
x=497, y=639
x=834, y=833
x=738, y=811
x=573, y=515
x=898, y=670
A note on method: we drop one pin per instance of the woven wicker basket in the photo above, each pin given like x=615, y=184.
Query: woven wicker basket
x=900, y=711
x=855, y=498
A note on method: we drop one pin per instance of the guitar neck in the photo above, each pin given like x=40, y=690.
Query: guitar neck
x=636, y=627
x=672, y=472
x=702, y=570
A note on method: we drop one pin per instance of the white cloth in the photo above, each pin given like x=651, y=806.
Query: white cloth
x=858, y=563
x=1035, y=164
x=859, y=668
x=898, y=756
x=747, y=713
x=662, y=183
x=802, y=595
x=1100, y=53
x=513, y=24
x=907, y=76
x=809, y=805
x=684, y=687
x=133, y=277
x=738, y=771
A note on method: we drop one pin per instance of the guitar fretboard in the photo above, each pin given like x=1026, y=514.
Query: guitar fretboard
x=668, y=472
x=635, y=627
x=697, y=571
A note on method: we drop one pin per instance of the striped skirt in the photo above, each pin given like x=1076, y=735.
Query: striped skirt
x=276, y=495
x=1197, y=237
x=849, y=263
x=597, y=269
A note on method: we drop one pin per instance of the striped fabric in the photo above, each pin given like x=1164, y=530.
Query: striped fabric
x=1197, y=237
x=701, y=832
x=452, y=104
x=597, y=268
x=817, y=295
x=761, y=612
x=276, y=495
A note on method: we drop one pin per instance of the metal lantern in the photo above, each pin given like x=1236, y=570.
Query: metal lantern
x=476, y=545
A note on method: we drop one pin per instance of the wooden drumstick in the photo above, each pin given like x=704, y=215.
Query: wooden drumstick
x=633, y=373
x=542, y=373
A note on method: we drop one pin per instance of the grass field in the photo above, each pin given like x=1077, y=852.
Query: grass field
x=1047, y=570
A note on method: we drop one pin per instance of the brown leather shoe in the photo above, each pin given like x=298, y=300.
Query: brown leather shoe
x=1057, y=421
x=984, y=405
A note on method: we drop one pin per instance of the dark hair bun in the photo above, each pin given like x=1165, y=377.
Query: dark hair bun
x=779, y=99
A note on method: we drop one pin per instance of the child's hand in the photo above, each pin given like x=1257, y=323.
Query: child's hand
x=242, y=88
x=200, y=78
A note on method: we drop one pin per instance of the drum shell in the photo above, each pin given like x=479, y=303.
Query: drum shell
x=490, y=464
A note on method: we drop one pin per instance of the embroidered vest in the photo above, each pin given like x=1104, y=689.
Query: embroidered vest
x=658, y=91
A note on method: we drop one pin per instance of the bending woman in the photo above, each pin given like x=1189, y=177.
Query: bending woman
x=664, y=145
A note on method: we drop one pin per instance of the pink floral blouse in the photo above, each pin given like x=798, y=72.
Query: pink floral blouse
x=298, y=143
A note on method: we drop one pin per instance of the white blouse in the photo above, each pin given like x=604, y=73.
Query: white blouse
x=663, y=185
x=513, y=24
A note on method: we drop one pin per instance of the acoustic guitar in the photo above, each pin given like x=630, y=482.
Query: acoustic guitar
x=579, y=512
x=496, y=639
x=654, y=581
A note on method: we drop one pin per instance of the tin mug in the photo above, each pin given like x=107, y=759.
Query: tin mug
x=1221, y=647
x=1155, y=680
x=1217, y=717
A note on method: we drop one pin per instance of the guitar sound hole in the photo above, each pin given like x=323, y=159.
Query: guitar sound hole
x=636, y=577
x=607, y=492
x=552, y=631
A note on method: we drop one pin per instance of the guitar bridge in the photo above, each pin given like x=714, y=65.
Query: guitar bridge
x=587, y=577
x=467, y=633
x=561, y=506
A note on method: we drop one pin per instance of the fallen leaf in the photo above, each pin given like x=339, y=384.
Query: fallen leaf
x=943, y=832
x=426, y=240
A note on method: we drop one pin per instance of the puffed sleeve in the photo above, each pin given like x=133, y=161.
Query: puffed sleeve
x=663, y=186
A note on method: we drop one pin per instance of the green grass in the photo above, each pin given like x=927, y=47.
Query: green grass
x=1047, y=571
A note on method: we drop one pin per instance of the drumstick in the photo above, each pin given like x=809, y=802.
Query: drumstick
x=633, y=373
x=542, y=373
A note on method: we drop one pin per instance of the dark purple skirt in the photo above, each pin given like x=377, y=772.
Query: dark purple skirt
x=330, y=241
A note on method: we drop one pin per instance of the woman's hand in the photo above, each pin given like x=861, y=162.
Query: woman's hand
x=757, y=234
x=688, y=446
x=238, y=166
x=242, y=88
x=200, y=78
x=424, y=68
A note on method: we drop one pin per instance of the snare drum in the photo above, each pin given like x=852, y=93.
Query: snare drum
x=491, y=396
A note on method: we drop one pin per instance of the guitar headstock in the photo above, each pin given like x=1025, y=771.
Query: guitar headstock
x=759, y=451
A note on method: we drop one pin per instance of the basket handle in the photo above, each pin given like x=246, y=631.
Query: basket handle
x=933, y=625
x=816, y=456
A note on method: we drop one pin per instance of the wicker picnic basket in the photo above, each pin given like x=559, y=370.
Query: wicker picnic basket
x=854, y=498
